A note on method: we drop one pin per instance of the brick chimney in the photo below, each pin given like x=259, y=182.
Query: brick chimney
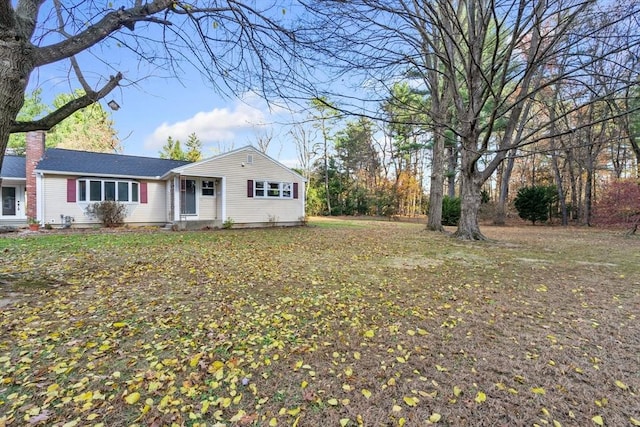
x=35, y=152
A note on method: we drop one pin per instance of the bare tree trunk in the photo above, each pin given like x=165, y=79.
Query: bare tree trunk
x=14, y=76
x=503, y=196
x=434, y=222
x=470, y=197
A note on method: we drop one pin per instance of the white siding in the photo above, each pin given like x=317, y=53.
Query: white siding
x=237, y=170
x=55, y=204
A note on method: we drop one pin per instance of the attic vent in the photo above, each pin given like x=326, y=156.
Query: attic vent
x=249, y=159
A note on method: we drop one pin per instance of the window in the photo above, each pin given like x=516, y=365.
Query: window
x=82, y=190
x=249, y=159
x=123, y=191
x=259, y=188
x=97, y=190
x=286, y=190
x=208, y=188
x=273, y=189
x=110, y=190
x=134, y=191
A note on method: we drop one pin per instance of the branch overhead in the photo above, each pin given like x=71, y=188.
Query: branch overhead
x=68, y=109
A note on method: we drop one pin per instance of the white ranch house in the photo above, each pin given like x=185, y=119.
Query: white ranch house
x=244, y=186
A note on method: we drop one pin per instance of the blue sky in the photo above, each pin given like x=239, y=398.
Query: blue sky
x=155, y=108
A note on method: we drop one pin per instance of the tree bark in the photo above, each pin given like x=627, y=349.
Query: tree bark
x=17, y=65
x=434, y=222
x=470, y=198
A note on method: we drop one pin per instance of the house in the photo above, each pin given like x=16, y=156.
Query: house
x=243, y=187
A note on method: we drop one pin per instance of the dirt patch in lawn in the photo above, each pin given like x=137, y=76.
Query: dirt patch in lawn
x=351, y=323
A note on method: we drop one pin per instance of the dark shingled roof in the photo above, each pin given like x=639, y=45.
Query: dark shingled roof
x=85, y=162
x=14, y=167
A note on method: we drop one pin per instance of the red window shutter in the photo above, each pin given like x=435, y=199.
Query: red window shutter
x=71, y=190
x=295, y=190
x=250, y=188
x=143, y=193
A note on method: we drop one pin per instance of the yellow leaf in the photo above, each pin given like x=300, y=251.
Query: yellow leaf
x=396, y=408
x=411, y=332
x=598, y=420
x=435, y=417
x=293, y=412
x=216, y=366
x=621, y=385
x=195, y=359
x=356, y=355
x=132, y=398
x=332, y=402
x=411, y=401
x=344, y=422
x=366, y=393
x=287, y=316
x=556, y=423
x=480, y=397
x=304, y=384
x=298, y=364
x=92, y=417
x=237, y=417
x=401, y=422
x=457, y=391
x=422, y=332
x=273, y=422
x=537, y=390
x=441, y=369
x=348, y=371
x=369, y=334
x=119, y=324
x=205, y=406
x=634, y=421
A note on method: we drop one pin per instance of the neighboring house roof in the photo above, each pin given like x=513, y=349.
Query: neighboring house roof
x=58, y=160
x=186, y=167
x=14, y=167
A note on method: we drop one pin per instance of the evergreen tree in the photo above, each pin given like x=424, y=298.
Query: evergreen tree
x=172, y=150
x=532, y=203
x=193, y=148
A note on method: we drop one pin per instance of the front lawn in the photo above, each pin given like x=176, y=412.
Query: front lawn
x=372, y=323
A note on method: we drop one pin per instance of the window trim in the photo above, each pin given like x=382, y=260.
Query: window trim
x=84, y=193
x=262, y=188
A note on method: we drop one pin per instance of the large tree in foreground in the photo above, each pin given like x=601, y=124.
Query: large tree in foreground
x=248, y=45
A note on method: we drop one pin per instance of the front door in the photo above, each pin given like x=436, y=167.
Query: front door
x=188, y=197
x=8, y=201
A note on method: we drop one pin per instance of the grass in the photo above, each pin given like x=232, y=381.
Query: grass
x=341, y=323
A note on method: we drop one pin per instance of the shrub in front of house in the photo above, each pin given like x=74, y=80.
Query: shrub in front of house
x=110, y=213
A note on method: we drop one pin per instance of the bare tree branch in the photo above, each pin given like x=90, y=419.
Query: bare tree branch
x=68, y=109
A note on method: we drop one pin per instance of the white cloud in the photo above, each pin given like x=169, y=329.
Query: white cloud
x=217, y=125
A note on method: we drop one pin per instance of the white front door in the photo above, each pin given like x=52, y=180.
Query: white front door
x=13, y=202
